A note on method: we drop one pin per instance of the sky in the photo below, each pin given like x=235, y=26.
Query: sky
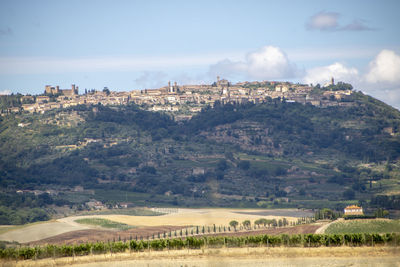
x=128, y=45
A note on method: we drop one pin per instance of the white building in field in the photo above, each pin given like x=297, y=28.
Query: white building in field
x=353, y=210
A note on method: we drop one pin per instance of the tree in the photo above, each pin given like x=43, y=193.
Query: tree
x=349, y=194
x=106, y=90
x=234, y=224
x=246, y=223
x=244, y=164
x=381, y=213
x=222, y=165
x=262, y=221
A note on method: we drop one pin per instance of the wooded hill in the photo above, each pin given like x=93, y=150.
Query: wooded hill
x=274, y=154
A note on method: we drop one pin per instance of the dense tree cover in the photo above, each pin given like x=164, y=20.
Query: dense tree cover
x=21, y=208
x=300, y=128
x=22, y=215
x=325, y=214
x=388, y=202
x=340, y=86
x=9, y=101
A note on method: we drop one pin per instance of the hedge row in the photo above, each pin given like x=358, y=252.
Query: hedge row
x=300, y=240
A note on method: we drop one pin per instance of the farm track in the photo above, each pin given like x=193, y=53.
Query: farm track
x=322, y=229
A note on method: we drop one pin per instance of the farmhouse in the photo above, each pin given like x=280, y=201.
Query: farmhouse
x=353, y=210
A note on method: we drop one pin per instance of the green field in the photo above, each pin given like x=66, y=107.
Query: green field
x=104, y=223
x=364, y=226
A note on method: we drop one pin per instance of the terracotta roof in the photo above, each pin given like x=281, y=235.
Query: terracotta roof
x=353, y=207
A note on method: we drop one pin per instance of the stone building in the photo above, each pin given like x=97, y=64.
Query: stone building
x=51, y=90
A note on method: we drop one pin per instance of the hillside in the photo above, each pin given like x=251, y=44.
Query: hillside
x=274, y=154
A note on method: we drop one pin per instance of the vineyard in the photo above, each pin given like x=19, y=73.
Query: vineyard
x=364, y=226
x=284, y=240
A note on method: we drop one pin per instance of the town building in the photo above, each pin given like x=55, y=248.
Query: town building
x=189, y=99
x=51, y=90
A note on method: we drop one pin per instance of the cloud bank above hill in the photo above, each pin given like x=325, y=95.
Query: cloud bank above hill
x=323, y=74
x=384, y=68
x=269, y=62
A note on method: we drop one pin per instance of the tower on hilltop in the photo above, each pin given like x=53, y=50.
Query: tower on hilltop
x=172, y=88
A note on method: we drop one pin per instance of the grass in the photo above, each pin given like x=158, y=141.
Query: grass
x=364, y=226
x=105, y=223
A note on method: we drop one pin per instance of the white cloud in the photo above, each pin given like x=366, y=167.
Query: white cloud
x=269, y=62
x=329, y=21
x=323, y=21
x=337, y=70
x=382, y=79
x=384, y=68
x=5, y=92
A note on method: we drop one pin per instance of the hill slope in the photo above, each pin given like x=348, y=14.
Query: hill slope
x=272, y=154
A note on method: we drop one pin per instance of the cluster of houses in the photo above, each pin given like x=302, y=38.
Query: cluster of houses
x=174, y=97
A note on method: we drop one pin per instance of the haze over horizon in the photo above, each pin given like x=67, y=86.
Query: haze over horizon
x=127, y=45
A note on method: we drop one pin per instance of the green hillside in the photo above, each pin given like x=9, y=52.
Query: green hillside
x=274, y=154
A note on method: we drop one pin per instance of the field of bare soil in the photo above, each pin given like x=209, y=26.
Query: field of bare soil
x=94, y=235
x=279, y=256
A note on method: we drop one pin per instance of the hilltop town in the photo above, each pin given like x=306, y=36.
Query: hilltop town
x=185, y=100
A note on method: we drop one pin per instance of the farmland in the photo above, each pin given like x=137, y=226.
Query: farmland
x=202, y=237
x=104, y=223
x=364, y=226
x=69, y=230
x=260, y=247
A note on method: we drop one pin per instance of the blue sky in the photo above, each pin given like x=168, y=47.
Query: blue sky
x=128, y=45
